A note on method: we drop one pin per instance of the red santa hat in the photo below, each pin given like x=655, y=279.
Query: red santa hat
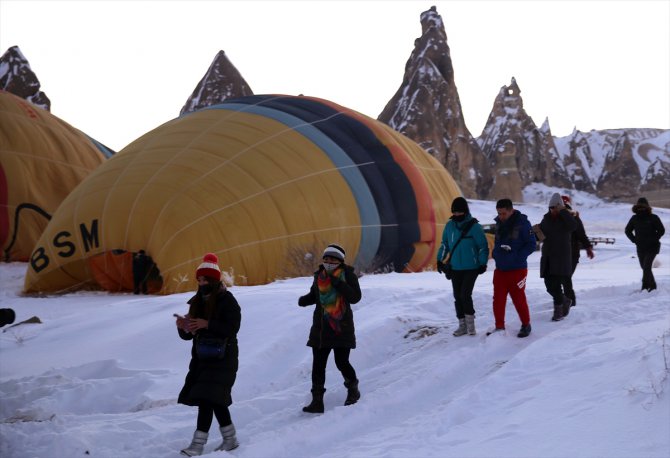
x=209, y=268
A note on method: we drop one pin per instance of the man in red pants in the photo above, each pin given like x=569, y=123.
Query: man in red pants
x=514, y=242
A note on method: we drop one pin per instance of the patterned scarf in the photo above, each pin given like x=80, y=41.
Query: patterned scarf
x=333, y=304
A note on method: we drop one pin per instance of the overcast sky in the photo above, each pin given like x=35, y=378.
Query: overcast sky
x=118, y=69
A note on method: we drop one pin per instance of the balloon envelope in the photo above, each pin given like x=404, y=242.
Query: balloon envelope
x=265, y=183
x=42, y=159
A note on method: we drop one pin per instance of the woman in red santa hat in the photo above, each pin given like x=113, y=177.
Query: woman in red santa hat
x=212, y=324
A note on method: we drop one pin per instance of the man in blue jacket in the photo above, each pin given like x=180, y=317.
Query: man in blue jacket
x=514, y=242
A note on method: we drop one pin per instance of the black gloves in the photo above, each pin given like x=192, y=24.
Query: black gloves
x=481, y=269
x=303, y=301
x=440, y=267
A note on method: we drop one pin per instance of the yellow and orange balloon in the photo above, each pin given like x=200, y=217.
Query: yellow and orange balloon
x=42, y=159
x=254, y=180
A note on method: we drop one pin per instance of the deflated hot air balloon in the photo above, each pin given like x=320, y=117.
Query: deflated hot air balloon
x=258, y=181
x=42, y=158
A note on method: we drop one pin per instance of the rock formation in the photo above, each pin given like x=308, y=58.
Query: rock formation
x=519, y=153
x=17, y=77
x=427, y=109
x=222, y=81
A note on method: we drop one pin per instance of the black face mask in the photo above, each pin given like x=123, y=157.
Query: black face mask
x=458, y=218
x=205, y=289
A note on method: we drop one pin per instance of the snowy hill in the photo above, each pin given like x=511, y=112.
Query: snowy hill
x=100, y=376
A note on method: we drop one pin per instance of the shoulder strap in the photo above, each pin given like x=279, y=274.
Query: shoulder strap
x=464, y=231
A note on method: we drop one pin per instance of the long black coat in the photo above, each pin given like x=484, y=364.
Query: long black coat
x=211, y=381
x=645, y=229
x=557, y=246
x=321, y=335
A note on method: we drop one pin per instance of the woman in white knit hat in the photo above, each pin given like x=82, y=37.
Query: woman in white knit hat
x=334, y=289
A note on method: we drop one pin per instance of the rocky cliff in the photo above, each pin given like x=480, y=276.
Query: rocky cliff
x=17, y=77
x=427, y=109
x=221, y=81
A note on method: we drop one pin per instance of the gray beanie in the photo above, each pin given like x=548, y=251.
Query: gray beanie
x=556, y=200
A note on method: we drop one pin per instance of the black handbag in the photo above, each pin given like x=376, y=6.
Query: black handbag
x=210, y=347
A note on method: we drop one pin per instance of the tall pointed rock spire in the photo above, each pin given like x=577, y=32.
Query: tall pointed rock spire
x=427, y=109
x=222, y=81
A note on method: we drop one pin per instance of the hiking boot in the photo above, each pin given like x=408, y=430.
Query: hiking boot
x=525, y=330
x=567, y=302
x=491, y=331
x=470, y=324
x=558, y=312
x=462, y=328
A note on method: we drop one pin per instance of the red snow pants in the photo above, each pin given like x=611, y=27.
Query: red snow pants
x=512, y=282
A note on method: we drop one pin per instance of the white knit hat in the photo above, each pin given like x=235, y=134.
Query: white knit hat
x=335, y=251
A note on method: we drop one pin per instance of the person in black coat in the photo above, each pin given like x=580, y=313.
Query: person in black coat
x=214, y=315
x=579, y=241
x=645, y=230
x=334, y=289
x=556, y=262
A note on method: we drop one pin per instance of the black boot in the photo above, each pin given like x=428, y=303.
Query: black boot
x=567, y=302
x=353, y=395
x=558, y=312
x=316, y=406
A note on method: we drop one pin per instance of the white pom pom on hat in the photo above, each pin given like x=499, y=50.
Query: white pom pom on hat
x=209, y=267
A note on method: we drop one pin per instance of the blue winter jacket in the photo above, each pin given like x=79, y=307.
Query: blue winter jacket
x=471, y=252
x=518, y=235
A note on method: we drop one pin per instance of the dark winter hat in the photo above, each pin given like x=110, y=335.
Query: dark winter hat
x=335, y=251
x=642, y=201
x=460, y=205
x=209, y=268
x=504, y=203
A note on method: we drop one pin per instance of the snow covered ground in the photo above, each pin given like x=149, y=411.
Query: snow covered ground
x=100, y=375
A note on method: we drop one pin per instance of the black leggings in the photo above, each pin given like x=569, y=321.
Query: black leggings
x=206, y=414
x=320, y=359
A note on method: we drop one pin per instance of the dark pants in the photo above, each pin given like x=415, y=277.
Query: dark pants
x=206, y=414
x=463, y=282
x=320, y=359
x=557, y=286
x=569, y=290
x=646, y=259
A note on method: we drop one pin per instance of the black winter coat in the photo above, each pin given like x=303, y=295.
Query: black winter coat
x=321, y=335
x=645, y=229
x=556, y=248
x=211, y=381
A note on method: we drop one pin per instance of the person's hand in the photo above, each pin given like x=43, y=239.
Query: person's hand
x=590, y=253
x=440, y=267
x=335, y=280
x=506, y=247
x=481, y=269
x=195, y=324
x=181, y=322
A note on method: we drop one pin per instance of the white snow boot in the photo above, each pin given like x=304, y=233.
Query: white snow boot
x=470, y=324
x=229, y=438
x=462, y=329
x=197, y=444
